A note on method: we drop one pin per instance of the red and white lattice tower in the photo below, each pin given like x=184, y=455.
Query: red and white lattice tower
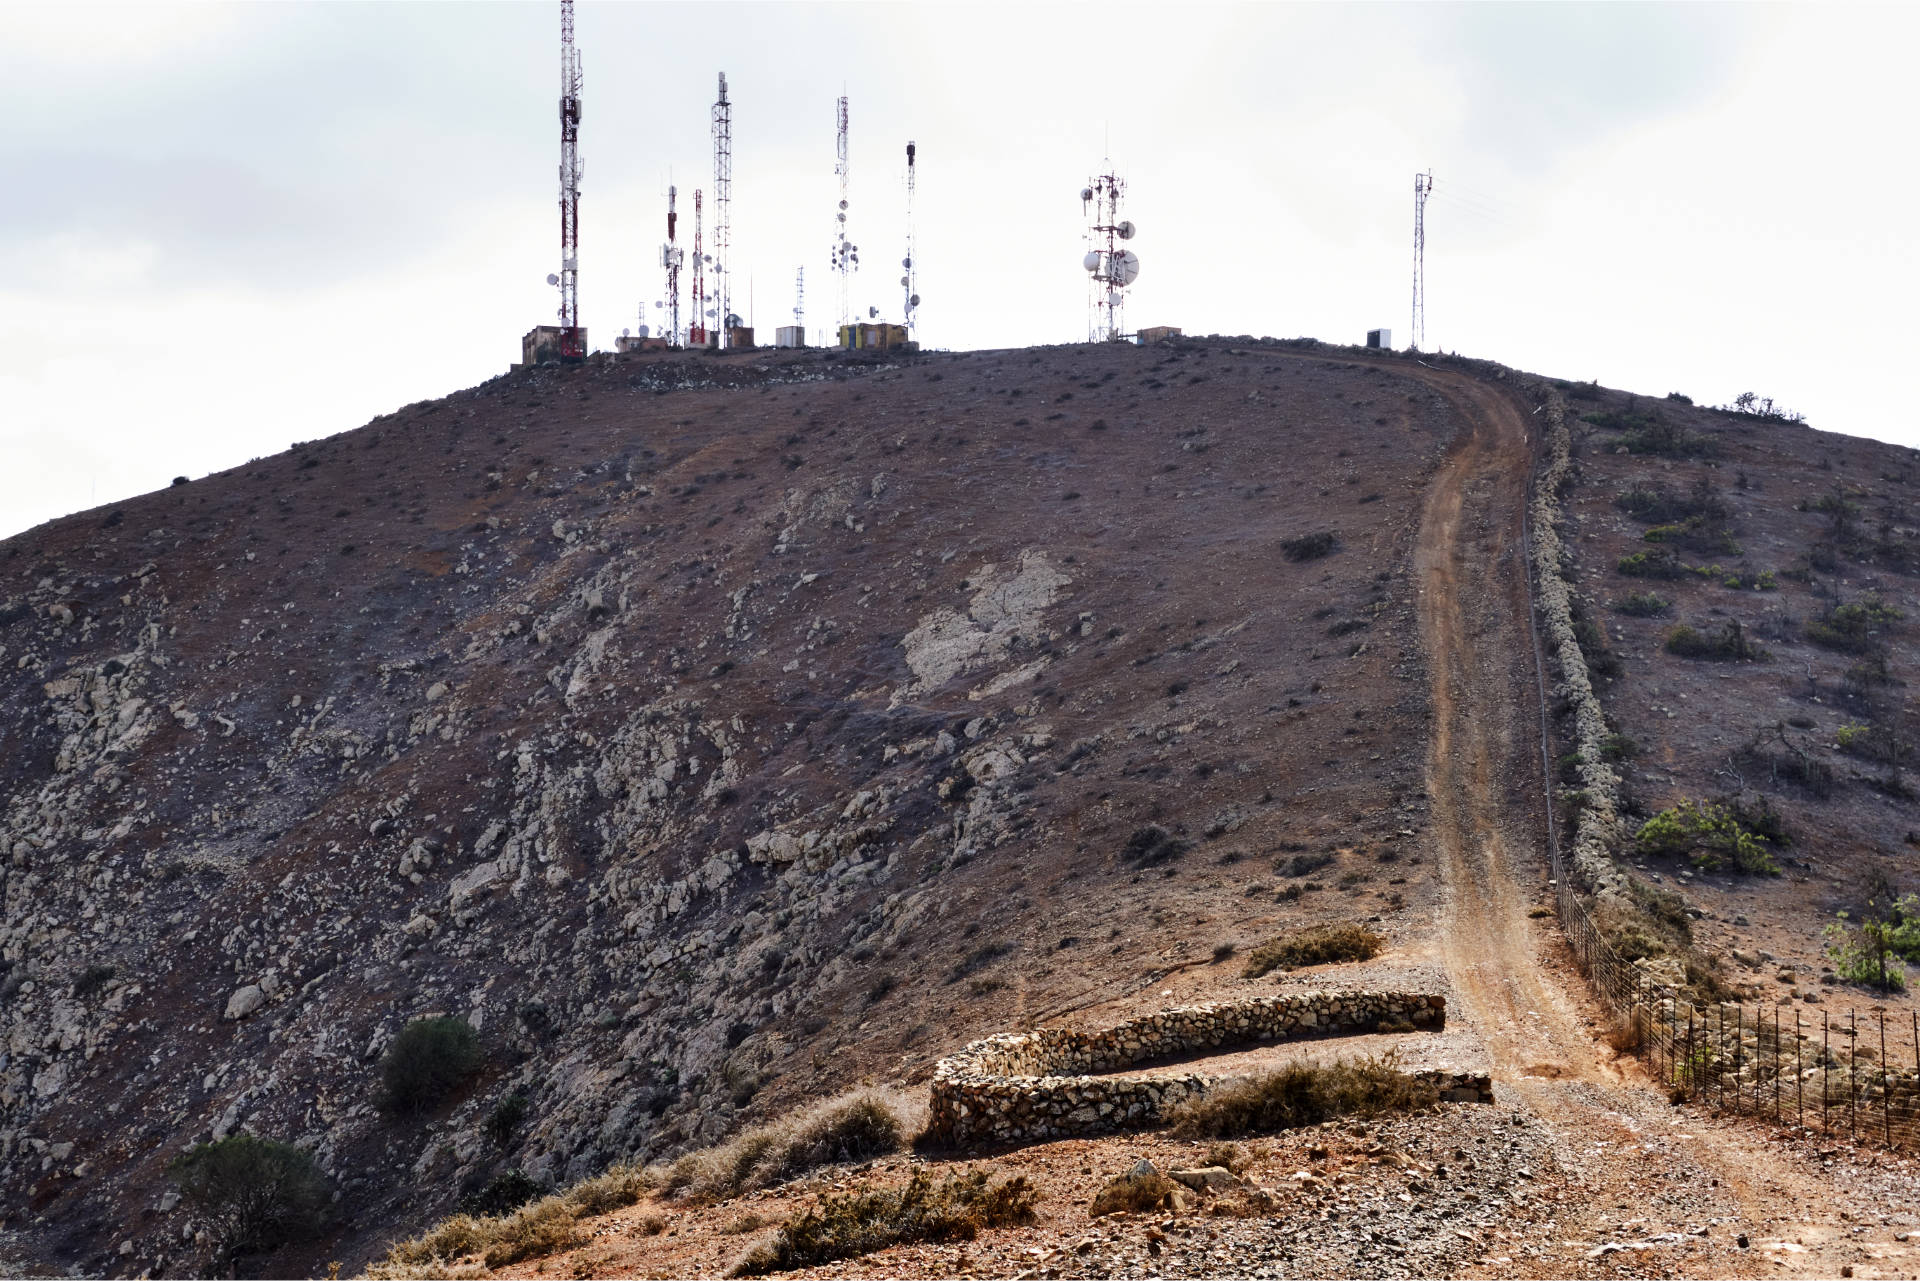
x=697, y=331
x=846, y=256
x=1110, y=266
x=1422, y=185
x=573, y=339
x=671, y=256
x=722, y=207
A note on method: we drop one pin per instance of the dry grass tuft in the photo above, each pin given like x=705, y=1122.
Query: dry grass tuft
x=859, y=1223
x=1133, y=1194
x=1319, y=945
x=856, y=1128
x=1303, y=1094
x=546, y=1226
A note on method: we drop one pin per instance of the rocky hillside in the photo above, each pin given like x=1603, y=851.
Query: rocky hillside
x=711, y=733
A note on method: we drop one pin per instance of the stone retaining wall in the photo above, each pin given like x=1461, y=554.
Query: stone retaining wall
x=1022, y=1086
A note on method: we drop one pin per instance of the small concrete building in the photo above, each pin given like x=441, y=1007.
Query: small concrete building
x=740, y=337
x=626, y=343
x=869, y=337
x=1381, y=338
x=552, y=342
x=790, y=336
x=1156, y=333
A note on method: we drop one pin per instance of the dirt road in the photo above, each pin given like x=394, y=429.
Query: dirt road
x=1647, y=1168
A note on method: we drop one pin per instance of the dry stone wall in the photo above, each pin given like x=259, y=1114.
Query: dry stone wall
x=1056, y=1082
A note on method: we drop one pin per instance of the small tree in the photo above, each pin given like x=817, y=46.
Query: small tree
x=426, y=1061
x=255, y=1193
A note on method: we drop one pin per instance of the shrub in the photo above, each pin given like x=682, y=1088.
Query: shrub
x=1655, y=562
x=505, y=1118
x=1698, y=533
x=1710, y=836
x=91, y=980
x=859, y=1223
x=857, y=1128
x=1320, y=945
x=1150, y=845
x=255, y=1193
x=538, y=1228
x=978, y=959
x=1309, y=546
x=1302, y=864
x=1132, y=1194
x=1889, y=930
x=1887, y=744
x=1729, y=644
x=426, y=1062
x=1853, y=629
x=1642, y=605
x=1656, y=504
x=1653, y=434
x=1303, y=1094
x=504, y=1193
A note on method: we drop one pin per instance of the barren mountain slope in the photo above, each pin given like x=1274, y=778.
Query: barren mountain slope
x=1810, y=544
x=710, y=732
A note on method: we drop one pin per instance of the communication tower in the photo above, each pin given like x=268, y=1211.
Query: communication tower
x=1111, y=266
x=906, y=281
x=722, y=204
x=800, y=297
x=573, y=339
x=697, y=330
x=846, y=257
x=1422, y=184
x=671, y=256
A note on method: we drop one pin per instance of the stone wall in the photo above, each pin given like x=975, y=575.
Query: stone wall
x=1055, y=1082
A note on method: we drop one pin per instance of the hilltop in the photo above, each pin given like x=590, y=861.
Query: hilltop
x=717, y=733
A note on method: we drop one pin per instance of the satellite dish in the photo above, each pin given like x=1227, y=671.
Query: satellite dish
x=841, y=216
x=1086, y=194
x=1126, y=267
x=914, y=301
x=658, y=305
x=907, y=263
x=843, y=204
x=552, y=279
x=903, y=281
x=1125, y=229
x=625, y=333
x=643, y=331
x=1092, y=261
x=872, y=312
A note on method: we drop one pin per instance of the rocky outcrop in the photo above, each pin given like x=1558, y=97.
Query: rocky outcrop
x=1056, y=1082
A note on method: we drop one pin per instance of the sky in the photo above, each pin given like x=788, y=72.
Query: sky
x=225, y=228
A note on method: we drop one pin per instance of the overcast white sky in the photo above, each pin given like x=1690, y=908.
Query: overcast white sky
x=227, y=227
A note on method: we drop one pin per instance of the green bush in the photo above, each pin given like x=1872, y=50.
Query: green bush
x=505, y=1119
x=255, y=1194
x=1729, y=644
x=1854, y=629
x=1151, y=845
x=426, y=1062
x=1655, y=562
x=1652, y=433
x=1710, y=836
x=859, y=1223
x=1302, y=1094
x=1642, y=605
x=1697, y=533
x=1319, y=945
x=503, y=1194
x=1655, y=504
x=1870, y=951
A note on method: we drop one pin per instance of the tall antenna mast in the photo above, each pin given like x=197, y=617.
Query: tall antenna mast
x=800, y=300
x=906, y=281
x=1422, y=184
x=573, y=341
x=722, y=204
x=697, y=328
x=845, y=256
x=1111, y=267
x=671, y=256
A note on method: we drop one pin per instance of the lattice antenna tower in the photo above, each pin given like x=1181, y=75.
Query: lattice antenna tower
x=845, y=256
x=697, y=329
x=906, y=281
x=1422, y=185
x=1110, y=266
x=671, y=257
x=573, y=345
x=722, y=205
x=800, y=298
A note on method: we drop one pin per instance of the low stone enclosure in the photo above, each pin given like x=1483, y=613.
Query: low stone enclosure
x=1055, y=1083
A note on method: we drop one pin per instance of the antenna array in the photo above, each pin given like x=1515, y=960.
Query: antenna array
x=698, y=330
x=573, y=343
x=1422, y=184
x=846, y=257
x=671, y=256
x=722, y=205
x=906, y=281
x=1111, y=267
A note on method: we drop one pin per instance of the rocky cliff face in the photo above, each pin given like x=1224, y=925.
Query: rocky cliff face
x=710, y=733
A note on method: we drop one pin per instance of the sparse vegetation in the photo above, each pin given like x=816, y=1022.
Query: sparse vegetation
x=1657, y=505
x=1642, y=605
x=856, y=1128
x=1729, y=643
x=1655, y=562
x=426, y=1062
x=254, y=1193
x=1854, y=628
x=1304, y=864
x=1708, y=835
x=1319, y=945
x=504, y=1193
x=505, y=1119
x=1132, y=1194
x=1652, y=433
x=1309, y=546
x=859, y=1223
x=1303, y=1094
x=1150, y=845
x=91, y=980
x=542, y=1227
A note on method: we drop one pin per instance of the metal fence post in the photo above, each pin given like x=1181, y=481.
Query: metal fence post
x=1853, y=1074
x=1799, y=1080
x=1886, y=1086
x=1826, y=1057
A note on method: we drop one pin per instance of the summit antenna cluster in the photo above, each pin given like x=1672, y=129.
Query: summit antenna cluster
x=1110, y=266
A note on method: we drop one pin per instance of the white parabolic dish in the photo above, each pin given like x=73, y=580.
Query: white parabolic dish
x=1126, y=267
x=1092, y=261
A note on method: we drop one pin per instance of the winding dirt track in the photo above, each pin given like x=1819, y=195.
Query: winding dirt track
x=1513, y=985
